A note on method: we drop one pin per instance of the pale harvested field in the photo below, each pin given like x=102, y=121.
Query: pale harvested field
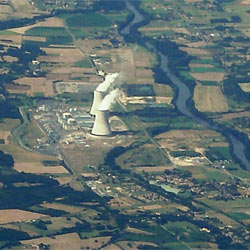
x=22, y=30
x=61, y=77
x=198, y=44
x=22, y=5
x=163, y=90
x=245, y=2
x=230, y=116
x=219, y=144
x=77, y=75
x=209, y=76
x=69, y=241
x=223, y=218
x=89, y=45
x=58, y=223
x=200, y=65
x=38, y=168
x=150, y=207
x=21, y=155
x=181, y=30
x=138, y=231
x=210, y=99
x=16, y=215
x=195, y=51
x=5, y=9
x=17, y=91
x=64, y=180
x=162, y=99
x=128, y=64
x=246, y=32
x=111, y=247
x=67, y=208
x=153, y=169
x=144, y=72
x=122, y=202
x=144, y=81
x=16, y=39
x=3, y=16
x=172, y=140
x=188, y=133
x=69, y=70
x=142, y=59
x=117, y=124
x=69, y=55
x=35, y=38
x=245, y=87
x=135, y=244
x=37, y=85
x=4, y=135
x=10, y=58
x=154, y=28
x=7, y=124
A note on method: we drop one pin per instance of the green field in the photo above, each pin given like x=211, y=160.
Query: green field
x=85, y=63
x=88, y=20
x=54, y=35
x=239, y=216
x=204, y=69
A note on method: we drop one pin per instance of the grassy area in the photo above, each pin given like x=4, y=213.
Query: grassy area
x=183, y=122
x=85, y=63
x=54, y=35
x=206, y=69
x=186, y=231
x=187, y=75
x=88, y=20
x=150, y=156
x=8, y=124
x=239, y=216
x=210, y=83
x=7, y=33
x=223, y=151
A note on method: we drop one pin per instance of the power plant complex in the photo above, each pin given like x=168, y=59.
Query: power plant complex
x=101, y=105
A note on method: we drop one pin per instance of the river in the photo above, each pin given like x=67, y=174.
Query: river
x=183, y=93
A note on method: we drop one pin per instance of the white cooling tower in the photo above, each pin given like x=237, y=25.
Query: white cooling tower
x=101, y=125
x=98, y=97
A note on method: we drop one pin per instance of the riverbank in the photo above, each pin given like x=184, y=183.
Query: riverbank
x=184, y=95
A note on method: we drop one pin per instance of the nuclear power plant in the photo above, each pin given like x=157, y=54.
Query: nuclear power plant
x=101, y=105
x=101, y=124
x=98, y=97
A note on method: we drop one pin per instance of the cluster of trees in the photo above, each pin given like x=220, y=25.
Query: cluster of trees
x=9, y=110
x=6, y=160
x=109, y=5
